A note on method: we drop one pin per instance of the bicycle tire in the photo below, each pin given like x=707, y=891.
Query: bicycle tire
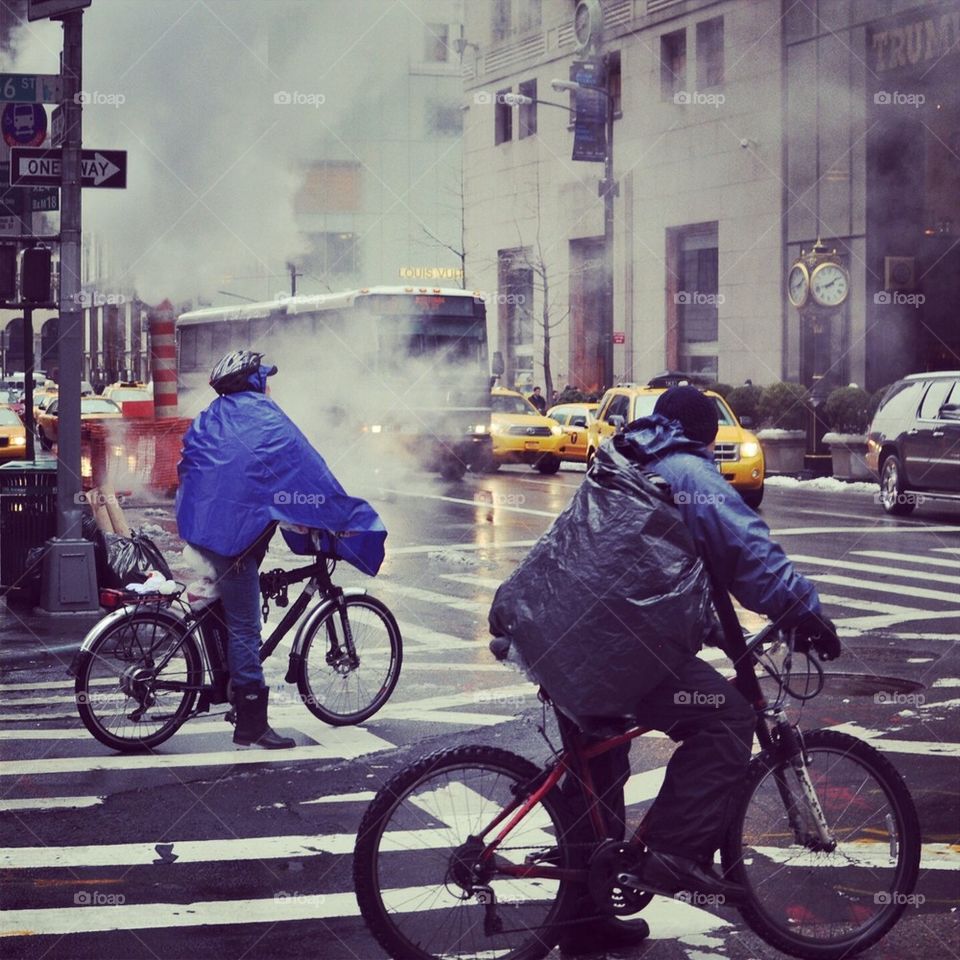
x=426, y=927
x=826, y=905
x=341, y=698
x=131, y=640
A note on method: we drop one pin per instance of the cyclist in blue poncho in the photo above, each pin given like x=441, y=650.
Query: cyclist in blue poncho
x=245, y=467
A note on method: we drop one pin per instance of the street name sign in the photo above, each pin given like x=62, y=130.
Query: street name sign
x=31, y=87
x=41, y=9
x=31, y=167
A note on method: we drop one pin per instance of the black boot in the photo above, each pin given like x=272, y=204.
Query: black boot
x=252, y=729
x=602, y=934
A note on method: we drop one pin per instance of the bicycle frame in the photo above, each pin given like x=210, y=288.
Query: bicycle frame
x=774, y=734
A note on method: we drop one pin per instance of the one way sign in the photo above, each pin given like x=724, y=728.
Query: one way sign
x=34, y=167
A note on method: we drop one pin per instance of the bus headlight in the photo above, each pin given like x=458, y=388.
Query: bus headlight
x=749, y=449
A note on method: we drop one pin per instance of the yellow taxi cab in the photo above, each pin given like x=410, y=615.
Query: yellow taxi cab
x=41, y=398
x=91, y=408
x=521, y=434
x=13, y=435
x=574, y=420
x=126, y=390
x=737, y=451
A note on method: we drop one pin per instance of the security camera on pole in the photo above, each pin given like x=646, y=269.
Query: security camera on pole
x=818, y=285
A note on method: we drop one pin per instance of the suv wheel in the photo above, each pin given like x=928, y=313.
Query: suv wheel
x=893, y=497
x=548, y=463
x=753, y=498
x=591, y=453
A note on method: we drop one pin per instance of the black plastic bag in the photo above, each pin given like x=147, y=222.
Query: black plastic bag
x=129, y=560
x=611, y=598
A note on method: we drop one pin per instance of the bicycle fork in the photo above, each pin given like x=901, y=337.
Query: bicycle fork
x=789, y=746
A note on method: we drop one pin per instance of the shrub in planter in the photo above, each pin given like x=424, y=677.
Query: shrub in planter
x=847, y=410
x=783, y=406
x=745, y=402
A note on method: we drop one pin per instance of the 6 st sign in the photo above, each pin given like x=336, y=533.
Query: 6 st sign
x=31, y=87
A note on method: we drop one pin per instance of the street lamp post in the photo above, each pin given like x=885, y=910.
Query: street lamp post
x=608, y=189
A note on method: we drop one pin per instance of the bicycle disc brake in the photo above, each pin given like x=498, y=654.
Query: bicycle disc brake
x=610, y=858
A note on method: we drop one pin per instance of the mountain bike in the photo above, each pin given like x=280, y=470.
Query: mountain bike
x=474, y=852
x=157, y=661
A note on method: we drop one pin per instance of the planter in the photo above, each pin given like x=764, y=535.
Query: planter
x=848, y=451
x=783, y=450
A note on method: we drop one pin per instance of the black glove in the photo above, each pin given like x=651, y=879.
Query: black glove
x=816, y=630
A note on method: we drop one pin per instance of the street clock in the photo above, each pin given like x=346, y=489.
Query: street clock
x=818, y=280
x=587, y=23
x=829, y=284
x=798, y=285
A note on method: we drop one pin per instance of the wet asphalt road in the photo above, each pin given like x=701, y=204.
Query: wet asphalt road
x=186, y=854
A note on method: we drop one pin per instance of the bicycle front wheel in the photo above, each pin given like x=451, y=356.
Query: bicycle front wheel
x=422, y=886
x=803, y=898
x=344, y=686
x=138, y=683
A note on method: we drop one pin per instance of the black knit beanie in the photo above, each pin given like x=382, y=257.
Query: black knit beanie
x=696, y=413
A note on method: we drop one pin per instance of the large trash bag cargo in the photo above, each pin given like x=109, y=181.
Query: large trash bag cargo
x=611, y=598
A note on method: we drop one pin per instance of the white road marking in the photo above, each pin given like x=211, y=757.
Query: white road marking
x=877, y=740
x=361, y=795
x=887, y=588
x=914, y=528
x=478, y=504
x=50, y=803
x=946, y=549
x=908, y=558
x=441, y=599
x=433, y=547
x=490, y=582
x=846, y=564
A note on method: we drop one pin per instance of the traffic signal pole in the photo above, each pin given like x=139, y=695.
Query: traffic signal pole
x=69, y=572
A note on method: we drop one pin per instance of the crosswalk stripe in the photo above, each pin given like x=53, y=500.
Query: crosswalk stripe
x=441, y=599
x=50, y=803
x=846, y=564
x=909, y=558
x=887, y=588
x=946, y=549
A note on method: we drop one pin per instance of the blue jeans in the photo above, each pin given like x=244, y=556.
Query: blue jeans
x=238, y=580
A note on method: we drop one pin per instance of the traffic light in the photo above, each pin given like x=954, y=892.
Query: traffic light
x=8, y=273
x=35, y=275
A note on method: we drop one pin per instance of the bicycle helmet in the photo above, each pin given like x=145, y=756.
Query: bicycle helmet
x=232, y=373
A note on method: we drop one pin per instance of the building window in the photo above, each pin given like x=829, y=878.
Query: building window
x=500, y=20
x=527, y=119
x=673, y=63
x=696, y=298
x=332, y=254
x=530, y=14
x=710, y=53
x=329, y=187
x=614, y=82
x=444, y=119
x=503, y=117
x=436, y=43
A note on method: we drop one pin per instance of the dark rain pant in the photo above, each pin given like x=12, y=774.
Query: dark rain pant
x=715, y=727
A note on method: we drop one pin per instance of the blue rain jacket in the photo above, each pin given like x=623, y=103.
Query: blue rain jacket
x=732, y=539
x=245, y=464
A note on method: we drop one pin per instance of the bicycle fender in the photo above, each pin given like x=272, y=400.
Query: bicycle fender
x=316, y=615
x=101, y=626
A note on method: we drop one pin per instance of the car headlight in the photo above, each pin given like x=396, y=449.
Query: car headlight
x=557, y=430
x=749, y=449
x=18, y=441
x=496, y=429
x=479, y=428
x=376, y=428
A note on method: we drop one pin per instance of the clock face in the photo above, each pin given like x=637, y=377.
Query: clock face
x=798, y=285
x=829, y=284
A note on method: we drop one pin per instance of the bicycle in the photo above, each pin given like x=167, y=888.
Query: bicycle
x=157, y=661
x=473, y=851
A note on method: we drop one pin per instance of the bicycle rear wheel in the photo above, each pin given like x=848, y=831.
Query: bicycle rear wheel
x=823, y=904
x=419, y=883
x=340, y=689
x=116, y=682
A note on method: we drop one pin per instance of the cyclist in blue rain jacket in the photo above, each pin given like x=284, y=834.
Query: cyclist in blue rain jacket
x=245, y=467
x=694, y=704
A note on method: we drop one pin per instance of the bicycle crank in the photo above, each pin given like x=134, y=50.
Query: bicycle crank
x=610, y=863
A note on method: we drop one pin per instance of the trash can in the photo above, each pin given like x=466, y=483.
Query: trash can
x=28, y=518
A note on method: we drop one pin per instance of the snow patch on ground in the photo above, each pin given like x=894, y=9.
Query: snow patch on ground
x=153, y=530
x=949, y=704
x=156, y=512
x=827, y=484
x=946, y=682
x=453, y=556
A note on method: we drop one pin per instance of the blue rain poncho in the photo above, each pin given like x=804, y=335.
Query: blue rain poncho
x=246, y=464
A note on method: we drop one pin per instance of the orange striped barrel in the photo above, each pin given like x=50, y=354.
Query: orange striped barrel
x=163, y=358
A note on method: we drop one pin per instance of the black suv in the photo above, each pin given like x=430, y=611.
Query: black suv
x=913, y=445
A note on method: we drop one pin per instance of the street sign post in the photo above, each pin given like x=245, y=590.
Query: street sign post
x=30, y=167
x=42, y=9
x=31, y=87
